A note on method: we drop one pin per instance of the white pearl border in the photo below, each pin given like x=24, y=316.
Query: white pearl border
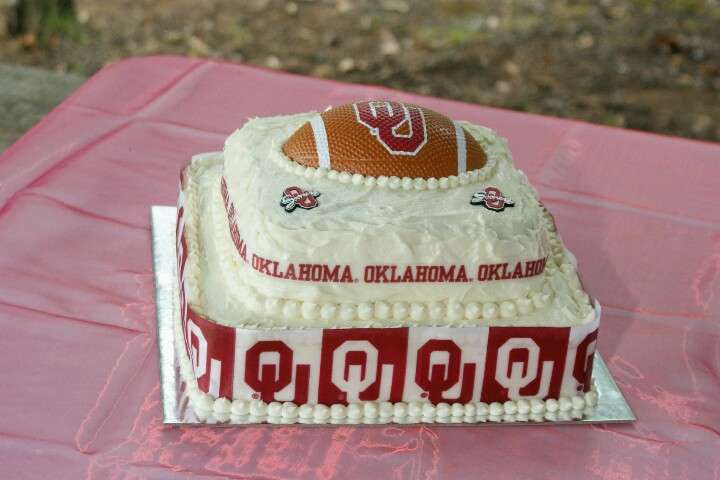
x=371, y=413
x=392, y=182
x=191, y=232
x=382, y=313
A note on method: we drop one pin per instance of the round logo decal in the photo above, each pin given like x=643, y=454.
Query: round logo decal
x=297, y=197
x=492, y=199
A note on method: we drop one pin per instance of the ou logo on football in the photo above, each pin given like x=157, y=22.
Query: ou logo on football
x=398, y=127
x=521, y=374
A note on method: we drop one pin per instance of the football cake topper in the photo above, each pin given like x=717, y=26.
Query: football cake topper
x=385, y=138
x=492, y=199
x=297, y=197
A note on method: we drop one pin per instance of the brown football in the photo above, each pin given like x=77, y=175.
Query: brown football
x=385, y=138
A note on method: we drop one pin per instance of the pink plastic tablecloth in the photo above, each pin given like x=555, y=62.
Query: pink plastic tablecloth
x=79, y=365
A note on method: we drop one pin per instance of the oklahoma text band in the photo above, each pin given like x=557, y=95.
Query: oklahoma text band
x=346, y=273
x=345, y=365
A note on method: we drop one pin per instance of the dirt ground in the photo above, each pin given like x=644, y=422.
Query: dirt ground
x=641, y=64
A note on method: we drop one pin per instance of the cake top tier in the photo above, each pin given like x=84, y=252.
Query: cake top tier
x=478, y=236
x=383, y=138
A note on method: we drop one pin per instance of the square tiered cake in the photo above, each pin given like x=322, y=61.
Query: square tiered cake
x=376, y=261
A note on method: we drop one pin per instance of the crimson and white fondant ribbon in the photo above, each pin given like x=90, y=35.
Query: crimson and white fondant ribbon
x=350, y=365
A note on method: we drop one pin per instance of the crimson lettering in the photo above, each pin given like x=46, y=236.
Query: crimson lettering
x=347, y=275
x=518, y=273
x=421, y=274
x=493, y=272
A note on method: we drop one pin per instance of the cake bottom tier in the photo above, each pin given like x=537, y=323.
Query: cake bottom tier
x=483, y=373
x=408, y=364
x=346, y=372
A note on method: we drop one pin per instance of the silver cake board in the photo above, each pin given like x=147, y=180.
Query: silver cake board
x=176, y=405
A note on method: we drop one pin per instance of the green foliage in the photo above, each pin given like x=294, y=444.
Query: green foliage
x=46, y=19
x=58, y=22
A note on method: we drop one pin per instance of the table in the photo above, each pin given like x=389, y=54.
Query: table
x=79, y=376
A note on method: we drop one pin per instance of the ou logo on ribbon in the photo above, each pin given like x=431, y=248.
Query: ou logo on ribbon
x=438, y=370
x=400, y=128
x=197, y=346
x=208, y=370
x=269, y=369
x=583, y=365
x=521, y=374
x=355, y=368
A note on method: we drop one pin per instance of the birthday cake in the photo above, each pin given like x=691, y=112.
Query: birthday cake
x=376, y=261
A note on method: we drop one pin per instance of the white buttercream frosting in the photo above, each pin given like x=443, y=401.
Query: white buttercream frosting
x=223, y=288
x=357, y=224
